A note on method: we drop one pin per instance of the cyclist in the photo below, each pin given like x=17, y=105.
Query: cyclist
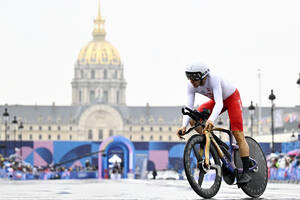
x=223, y=96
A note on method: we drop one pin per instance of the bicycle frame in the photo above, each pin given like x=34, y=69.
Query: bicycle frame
x=229, y=164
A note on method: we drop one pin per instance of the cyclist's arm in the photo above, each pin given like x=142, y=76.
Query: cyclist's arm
x=217, y=91
x=189, y=104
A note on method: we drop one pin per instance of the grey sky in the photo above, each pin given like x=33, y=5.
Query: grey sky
x=41, y=39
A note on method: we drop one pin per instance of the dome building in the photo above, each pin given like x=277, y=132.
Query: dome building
x=98, y=75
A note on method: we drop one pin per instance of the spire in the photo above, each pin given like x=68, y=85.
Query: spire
x=99, y=31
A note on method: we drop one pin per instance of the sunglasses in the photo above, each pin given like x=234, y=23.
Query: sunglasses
x=193, y=76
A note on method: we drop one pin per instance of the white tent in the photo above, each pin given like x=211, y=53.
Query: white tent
x=114, y=159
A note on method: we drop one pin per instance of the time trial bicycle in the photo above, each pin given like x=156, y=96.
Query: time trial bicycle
x=206, y=164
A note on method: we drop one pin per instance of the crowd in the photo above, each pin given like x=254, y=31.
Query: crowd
x=280, y=167
x=283, y=166
x=14, y=167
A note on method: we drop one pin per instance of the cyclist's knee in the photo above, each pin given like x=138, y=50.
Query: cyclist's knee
x=192, y=122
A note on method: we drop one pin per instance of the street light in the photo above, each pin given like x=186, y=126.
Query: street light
x=272, y=97
x=251, y=109
x=21, y=127
x=5, y=117
x=298, y=82
x=293, y=137
x=15, y=126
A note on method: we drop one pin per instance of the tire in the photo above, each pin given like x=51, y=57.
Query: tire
x=189, y=162
x=259, y=181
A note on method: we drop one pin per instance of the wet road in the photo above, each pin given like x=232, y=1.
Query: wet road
x=129, y=189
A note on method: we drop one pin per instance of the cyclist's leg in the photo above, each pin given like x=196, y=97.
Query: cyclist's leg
x=243, y=145
x=207, y=105
x=234, y=106
x=198, y=129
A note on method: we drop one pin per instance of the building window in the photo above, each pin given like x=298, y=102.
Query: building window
x=40, y=136
x=100, y=134
x=82, y=74
x=30, y=128
x=49, y=137
x=142, y=137
x=70, y=128
x=111, y=132
x=93, y=74
x=130, y=137
x=118, y=97
x=92, y=95
x=170, y=137
x=170, y=128
x=151, y=137
x=58, y=128
x=116, y=74
x=40, y=128
x=30, y=137
x=151, y=128
x=20, y=137
x=79, y=97
x=160, y=138
x=105, y=74
x=90, y=134
x=130, y=128
x=105, y=96
x=142, y=129
x=58, y=137
x=70, y=137
x=49, y=128
x=160, y=129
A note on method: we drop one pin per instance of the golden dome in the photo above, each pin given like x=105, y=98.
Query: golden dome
x=99, y=51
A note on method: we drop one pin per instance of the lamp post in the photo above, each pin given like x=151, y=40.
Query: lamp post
x=298, y=82
x=251, y=109
x=272, y=97
x=15, y=126
x=293, y=137
x=5, y=117
x=21, y=127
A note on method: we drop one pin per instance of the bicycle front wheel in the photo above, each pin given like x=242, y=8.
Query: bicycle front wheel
x=205, y=183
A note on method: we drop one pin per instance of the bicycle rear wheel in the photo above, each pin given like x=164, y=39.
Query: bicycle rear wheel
x=259, y=180
x=205, y=183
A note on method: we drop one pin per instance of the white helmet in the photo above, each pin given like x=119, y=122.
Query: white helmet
x=196, y=71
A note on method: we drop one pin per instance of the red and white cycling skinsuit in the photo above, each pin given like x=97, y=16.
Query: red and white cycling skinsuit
x=224, y=96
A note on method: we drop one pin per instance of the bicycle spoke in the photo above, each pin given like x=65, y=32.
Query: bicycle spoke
x=200, y=179
x=196, y=153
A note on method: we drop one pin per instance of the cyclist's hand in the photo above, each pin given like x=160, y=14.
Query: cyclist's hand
x=209, y=125
x=181, y=131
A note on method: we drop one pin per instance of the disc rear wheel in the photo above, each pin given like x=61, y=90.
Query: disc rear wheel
x=259, y=176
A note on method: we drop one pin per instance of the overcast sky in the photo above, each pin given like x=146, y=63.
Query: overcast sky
x=41, y=39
